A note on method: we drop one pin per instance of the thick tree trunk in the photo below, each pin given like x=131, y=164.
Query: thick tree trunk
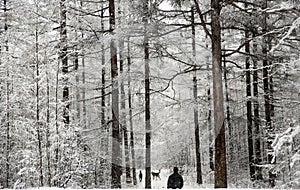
x=116, y=167
x=195, y=92
x=130, y=116
x=249, y=107
x=147, y=98
x=220, y=146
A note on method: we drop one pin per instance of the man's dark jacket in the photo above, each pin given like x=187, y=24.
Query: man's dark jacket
x=175, y=181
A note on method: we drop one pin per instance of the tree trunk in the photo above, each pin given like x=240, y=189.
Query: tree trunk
x=209, y=120
x=257, y=135
x=56, y=151
x=147, y=97
x=77, y=79
x=220, y=146
x=48, y=145
x=130, y=116
x=123, y=102
x=8, y=124
x=267, y=94
x=38, y=123
x=123, y=116
x=116, y=168
x=64, y=60
x=228, y=116
x=249, y=107
x=195, y=92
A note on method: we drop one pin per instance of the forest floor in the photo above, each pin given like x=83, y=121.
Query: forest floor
x=162, y=182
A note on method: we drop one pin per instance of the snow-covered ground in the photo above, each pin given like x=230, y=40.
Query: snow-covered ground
x=189, y=183
x=162, y=182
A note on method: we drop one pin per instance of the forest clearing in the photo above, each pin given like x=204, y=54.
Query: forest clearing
x=141, y=94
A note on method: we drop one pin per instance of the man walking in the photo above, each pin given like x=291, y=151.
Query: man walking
x=175, y=181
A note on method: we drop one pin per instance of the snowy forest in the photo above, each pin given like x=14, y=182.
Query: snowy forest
x=95, y=91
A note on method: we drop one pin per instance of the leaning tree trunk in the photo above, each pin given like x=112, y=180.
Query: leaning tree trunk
x=220, y=146
x=195, y=92
x=116, y=167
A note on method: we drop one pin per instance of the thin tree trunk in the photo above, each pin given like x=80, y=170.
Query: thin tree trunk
x=220, y=146
x=228, y=116
x=147, y=97
x=209, y=120
x=195, y=92
x=123, y=116
x=64, y=60
x=38, y=126
x=267, y=94
x=8, y=136
x=130, y=116
x=103, y=81
x=77, y=79
x=84, y=109
x=257, y=135
x=249, y=108
x=57, y=146
x=123, y=104
x=116, y=141
x=48, y=157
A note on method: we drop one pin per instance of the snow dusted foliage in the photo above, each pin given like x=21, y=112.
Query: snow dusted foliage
x=287, y=155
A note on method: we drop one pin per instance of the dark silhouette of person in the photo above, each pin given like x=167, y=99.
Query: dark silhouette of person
x=140, y=176
x=175, y=181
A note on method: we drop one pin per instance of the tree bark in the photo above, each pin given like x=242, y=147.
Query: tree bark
x=147, y=97
x=220, y=146
x=266, y=88
x=249, y=107
x=209, y=119
x=8, y=124
x=64, y=60
x=123, y=116
x=195, y=92
x=116, y=167
x=257, y=135
x=38, y=123
x=130, y=116
x=48, y=145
